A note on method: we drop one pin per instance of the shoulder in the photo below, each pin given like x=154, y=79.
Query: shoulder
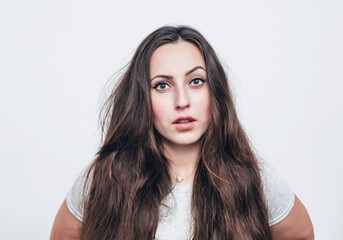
x=68, y=220
x=65, y=226
x=77, y=194
x=296, y=225
x=278, y=194
x=288, y=217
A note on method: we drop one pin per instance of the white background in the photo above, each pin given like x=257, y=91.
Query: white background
x=285, y=61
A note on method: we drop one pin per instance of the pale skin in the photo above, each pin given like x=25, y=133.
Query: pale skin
x=179, y=89
x=179, y=94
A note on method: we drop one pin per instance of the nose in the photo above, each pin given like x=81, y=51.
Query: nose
x=181, y=98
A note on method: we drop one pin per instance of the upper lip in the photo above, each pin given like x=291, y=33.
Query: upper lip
x=184, y=118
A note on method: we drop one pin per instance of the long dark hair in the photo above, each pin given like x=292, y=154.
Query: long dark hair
x=129, y=177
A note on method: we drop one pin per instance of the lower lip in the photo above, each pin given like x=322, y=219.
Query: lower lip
x=184, y=126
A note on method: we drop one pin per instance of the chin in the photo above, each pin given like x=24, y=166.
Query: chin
x=184, y=141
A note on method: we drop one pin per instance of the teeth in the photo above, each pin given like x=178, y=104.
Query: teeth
x=183, y=121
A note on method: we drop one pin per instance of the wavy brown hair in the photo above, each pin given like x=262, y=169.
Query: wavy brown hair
x=129, y=177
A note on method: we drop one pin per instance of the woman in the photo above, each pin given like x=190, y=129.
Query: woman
x=175, y=162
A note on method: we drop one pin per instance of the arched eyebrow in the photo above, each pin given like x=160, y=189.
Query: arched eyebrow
x=193, y=69
x=187, y=73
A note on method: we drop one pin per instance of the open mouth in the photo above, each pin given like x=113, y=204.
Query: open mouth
x=182, y=120
x=184, y=123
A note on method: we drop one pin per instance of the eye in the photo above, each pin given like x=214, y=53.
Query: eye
x=161, y=86
x=197, y=81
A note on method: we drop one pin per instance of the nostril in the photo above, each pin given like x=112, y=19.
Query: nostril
x=184, y=106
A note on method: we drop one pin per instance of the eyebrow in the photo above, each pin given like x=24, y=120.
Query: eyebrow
x=187, y=73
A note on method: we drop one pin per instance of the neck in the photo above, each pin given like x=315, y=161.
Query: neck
x=183, y=160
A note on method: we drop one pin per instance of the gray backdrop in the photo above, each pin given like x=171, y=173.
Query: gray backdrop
x=56, y=57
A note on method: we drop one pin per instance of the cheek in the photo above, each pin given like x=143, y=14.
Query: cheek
x=207, y=108
x=160, y=110
x=204, y=105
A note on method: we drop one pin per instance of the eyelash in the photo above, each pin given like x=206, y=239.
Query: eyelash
x=159, y=84
x=196, y=78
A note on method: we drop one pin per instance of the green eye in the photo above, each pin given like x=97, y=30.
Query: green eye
x=161, y=86
x=197, y=81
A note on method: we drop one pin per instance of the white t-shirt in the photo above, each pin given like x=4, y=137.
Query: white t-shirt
x=176, y=221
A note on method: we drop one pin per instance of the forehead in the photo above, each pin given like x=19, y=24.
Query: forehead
x=176, y=57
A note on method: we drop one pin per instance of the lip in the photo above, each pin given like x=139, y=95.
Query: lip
x=183, y=118
x=184, y=126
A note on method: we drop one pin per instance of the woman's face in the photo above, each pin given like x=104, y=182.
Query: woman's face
x=179, y=93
